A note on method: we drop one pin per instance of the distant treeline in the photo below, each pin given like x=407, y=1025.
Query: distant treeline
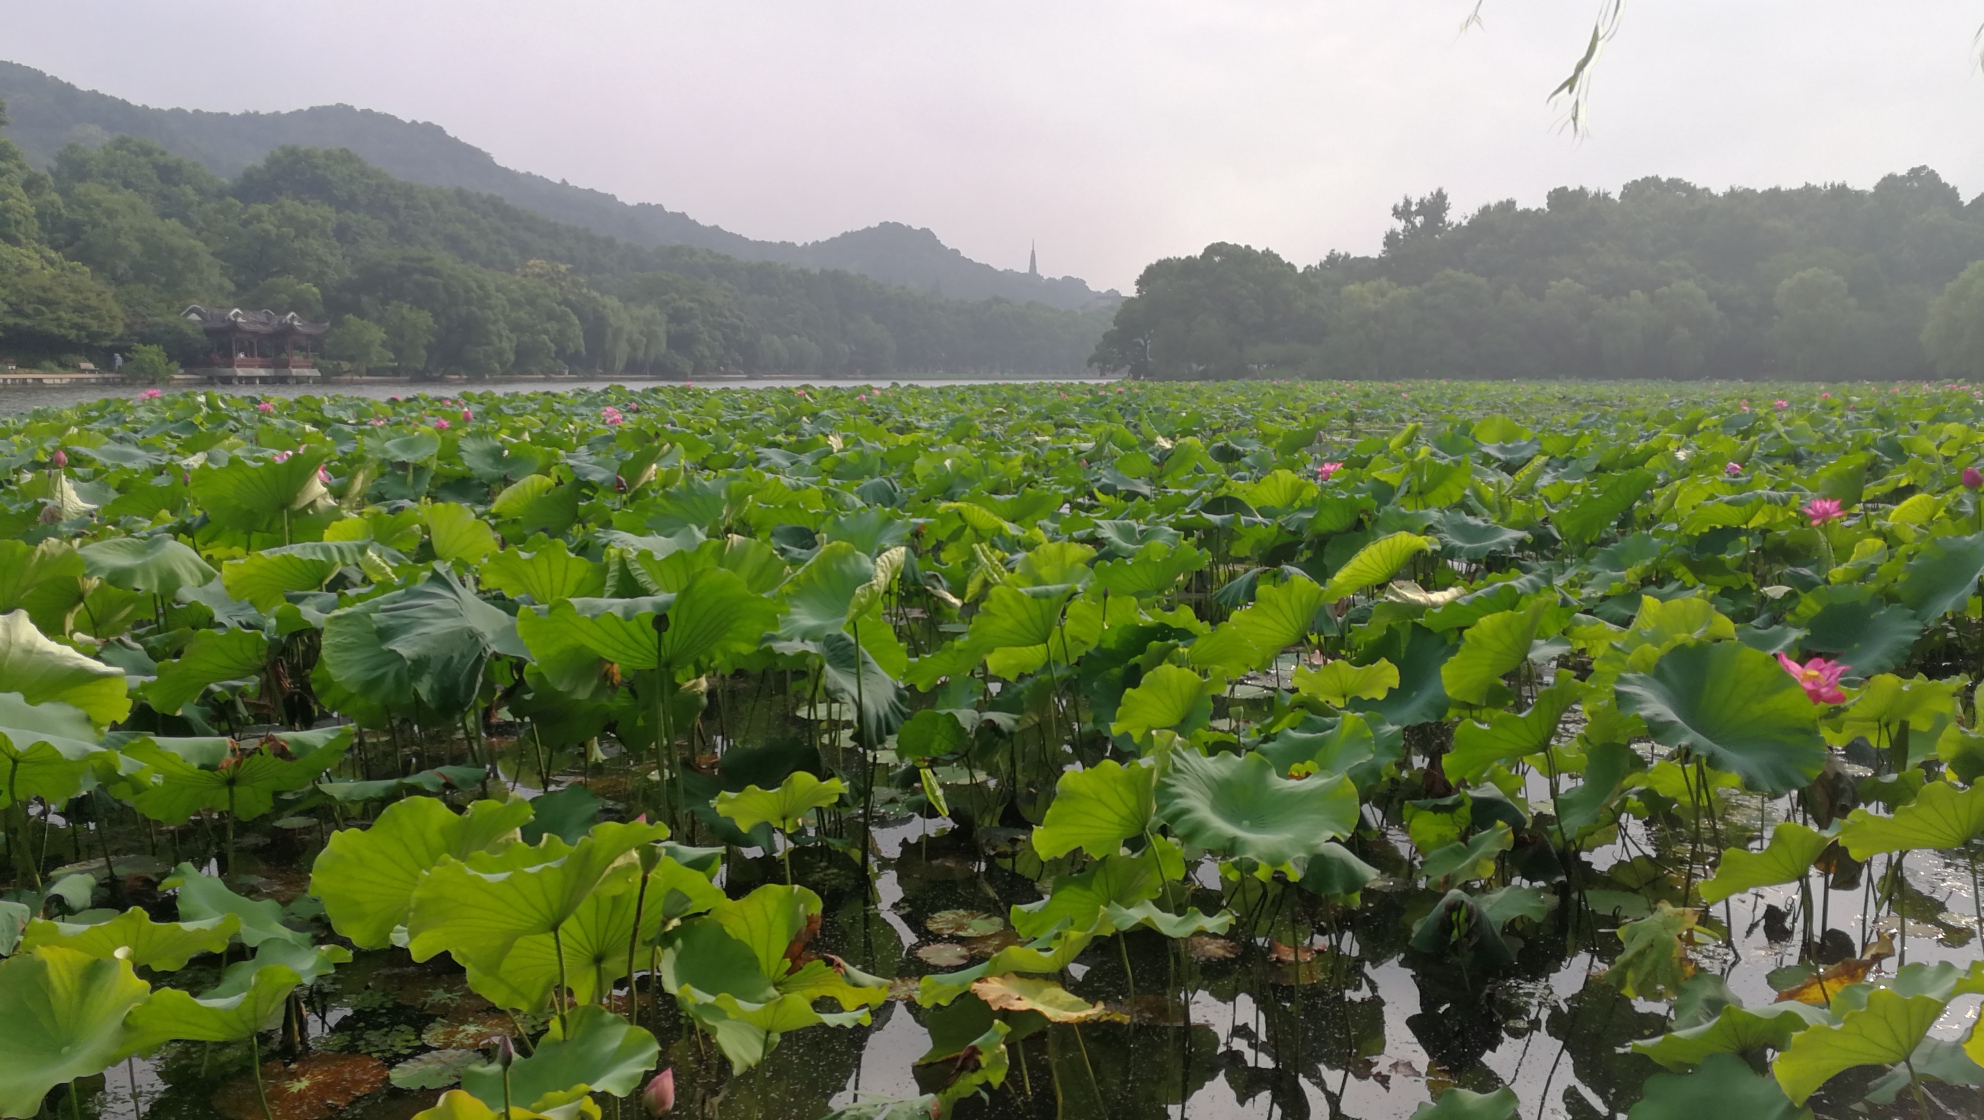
x=1665, y=280
x=104, y=251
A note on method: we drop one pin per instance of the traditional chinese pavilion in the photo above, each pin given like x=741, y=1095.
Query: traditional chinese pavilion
x=256, y=346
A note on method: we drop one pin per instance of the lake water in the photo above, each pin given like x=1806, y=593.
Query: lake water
x=27, y=398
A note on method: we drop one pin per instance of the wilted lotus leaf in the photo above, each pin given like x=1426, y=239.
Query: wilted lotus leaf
x=1021, y=993
x=317, y=1086
x=436, y=1069
x=1204, y=947
x=963, y=923
x=943, y=954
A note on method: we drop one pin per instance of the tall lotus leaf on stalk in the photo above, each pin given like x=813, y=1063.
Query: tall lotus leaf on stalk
x=252, y=497
x=366, y=877
x=195, y=774
x=784, y=808
x=156, y=566
x=422, y=650
x=46, y=751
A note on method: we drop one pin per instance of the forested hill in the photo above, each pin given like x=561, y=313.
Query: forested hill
x=1663, y=279
x=49, y=114
x=105, y=249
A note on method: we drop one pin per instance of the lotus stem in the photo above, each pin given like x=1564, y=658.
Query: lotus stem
x=558, y=947
x=261, y=1094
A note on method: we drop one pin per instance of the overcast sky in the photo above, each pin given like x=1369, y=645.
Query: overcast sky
x=1112, y=132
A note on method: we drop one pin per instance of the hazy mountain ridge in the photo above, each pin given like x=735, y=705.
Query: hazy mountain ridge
x=49, y=113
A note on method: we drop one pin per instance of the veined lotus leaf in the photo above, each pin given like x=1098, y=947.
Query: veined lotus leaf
x=1338, y=681
x=1152, y=571
x=172, y=1014
x=425, y=644
x=1281, y=615
x=310, y=963
x=165, y=946
x=1470, y=538
x=1169, y=697
x=1885, y=1031
x=1174, y=926
x=1344, y=744
x=1076, y=900
x=1735, y=706
x=1473, y=858
x=1582, y=808
x=211, y=657
x=1044, y=997
x=716, y=615
x=766, y=921
x=459, y=535
x=1735, y=1030
x=1051, y=952
x=46, y=580
x=1941, y=816
x=14, y=919
x=248, y=496
x=1097, y=809
x=852, y=676
x=417, y=446
x=1601, y=503
x=1376, y=563
x=1936, y=1059
x=1879, y=711
x=41, y=670
x=1792, y=849
x=1725, y=1085
x=785, y=808
x=243, y=784
x=868, y=597
x=1864, y=632
x=202, y=897
x=458, y=1105
x=61, y=1017
x=1420, y=697
x=1019, y=627
x=820, y=596
x=1942, y=576
x=1337, y=874
x=932, y=733
x=154, y=565
x=265, y=579
x=1239, y=806
x=365, y=878
x=597, y=1050
x=567, y=813
x=1491, y=648
x=572, y=638
x=45, y=750
x=1506, y=735
x=1962, y=751
x=547, y=575
x=1655, y=960
x=1460, y=1104
x=595, y=938
x=477, y=916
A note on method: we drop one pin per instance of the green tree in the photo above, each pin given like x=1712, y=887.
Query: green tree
x=1814, y=335
x=360, y=343
x=149, y=365
x=409, y=331
x=284, y=294
x=1953, y=336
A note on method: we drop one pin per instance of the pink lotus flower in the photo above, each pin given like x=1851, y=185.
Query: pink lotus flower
x=659, y=1096
x=611, y=415
x=323, y=476
x=467, y=415
x=60, y=458
x=1324, y=472
x=282, y=456
x=265, y=406
x=1731, y=470
x=862, y=397
x=395, y=398
x=1825, y=396
x=1822, y=510
x=1818, y=677
x=378, y=421
x=151, y=394
x=441, y=425
x=1780, y=404
x=1972, y=478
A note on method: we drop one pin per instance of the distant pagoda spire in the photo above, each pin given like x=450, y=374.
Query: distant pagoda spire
x=1032, y=261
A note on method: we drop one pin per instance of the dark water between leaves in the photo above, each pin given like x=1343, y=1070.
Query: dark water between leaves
x=1344, y=1022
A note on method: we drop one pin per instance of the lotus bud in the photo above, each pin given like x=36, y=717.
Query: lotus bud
x=619, y=484
x=659, y=1097
x=1972, y=477
x=650, y=856
x=60, y=458
x=506, y=1052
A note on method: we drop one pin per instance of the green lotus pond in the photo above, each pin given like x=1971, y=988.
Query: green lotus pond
x=1256, y=750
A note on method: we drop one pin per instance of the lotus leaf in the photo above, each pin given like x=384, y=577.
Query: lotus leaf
x=62, y=1017
x=366, y=878
x=165, y=946
x=1885, y=1031
x=1941, y=816
x=1792, y=849
x=1238, y=805
x=1735, y=706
